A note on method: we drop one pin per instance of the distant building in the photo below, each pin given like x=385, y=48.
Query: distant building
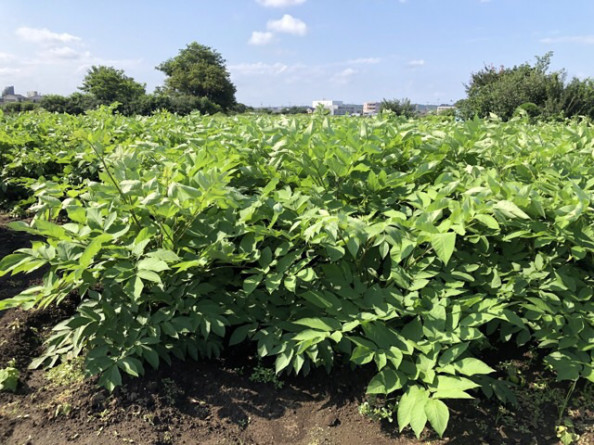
x=33, y=96
x=9, y=96
x=337, y=107
x=8, y=91
x=442, y=108
x=371, y=108
x=425, y=109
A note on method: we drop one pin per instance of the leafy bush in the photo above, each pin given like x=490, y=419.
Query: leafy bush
x=9, y=377
x=412, y=247
x=502, y=90
x=400, y=107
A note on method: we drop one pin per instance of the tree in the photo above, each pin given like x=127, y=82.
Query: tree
x=502, y=90
x=110, y=85
x=401, y=107
x=78, y=103
x=199, y=71
x=54, y=103
x=578, y=98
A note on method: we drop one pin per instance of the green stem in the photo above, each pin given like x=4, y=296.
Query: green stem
x=566, y=401
x=102, y=159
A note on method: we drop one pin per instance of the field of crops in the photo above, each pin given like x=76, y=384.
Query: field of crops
x=420, y=248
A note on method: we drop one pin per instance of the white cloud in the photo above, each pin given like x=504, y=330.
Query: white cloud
x=280, y=3
x=364, y=61
x=6, y=57
x=416, y=62
x=581, y=40
x=259, y=38
x=344, y=76
x=65, y=52
x=44, y=36
x=9, y=71
x=288, y=24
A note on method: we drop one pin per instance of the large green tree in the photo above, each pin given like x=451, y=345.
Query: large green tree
x=199, y=71
x=108, y=84
x=401, y=107
x=503, y=90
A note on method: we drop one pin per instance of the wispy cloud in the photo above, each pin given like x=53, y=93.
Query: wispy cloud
x=416, y=63
x=289, y=25
x=364, y=61
x=343, y=77
x=65, y=52
x=260, y=38
x=44, y=36
x=280, y=3
x=5, y=57
x=9, y=71
x=259, y=68
x=580, y=40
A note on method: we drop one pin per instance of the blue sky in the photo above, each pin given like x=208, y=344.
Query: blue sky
x=290, y=52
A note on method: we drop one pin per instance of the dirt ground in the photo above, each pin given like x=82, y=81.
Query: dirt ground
x=235, y=399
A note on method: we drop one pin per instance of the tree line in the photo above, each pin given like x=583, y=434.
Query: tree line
x=197, y=80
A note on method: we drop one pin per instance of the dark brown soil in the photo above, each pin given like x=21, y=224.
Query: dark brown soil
x=218, y=401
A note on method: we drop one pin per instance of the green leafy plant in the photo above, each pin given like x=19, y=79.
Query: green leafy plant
x=266, y=375
x=410, y=247
x=9, y=377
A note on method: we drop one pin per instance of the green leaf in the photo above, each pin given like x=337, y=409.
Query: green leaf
x=149, y=276
x=111, y=378
x=240, y=333
x=283, y=360
x=362, y=355
x=451, y=394
x=131, y=365
x=411, y=409
x=386, y=382
x=353, y=246
x=472, y=366
x=151, y=356
x=457, y=383
x=438, y=415
x=452, y=353
x=322, y=324
x=566, y=367
x=310, y=334
x=152, y=264
x=92, y=249
x=509, y=210
x=251, y=283
x=138, y=287
x=444, y=245
x=334, y=252
x=11, y=261
x=488, y=221
x=166, y=255
x=321, y=299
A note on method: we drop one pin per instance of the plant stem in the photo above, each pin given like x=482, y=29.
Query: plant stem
x=566, y=401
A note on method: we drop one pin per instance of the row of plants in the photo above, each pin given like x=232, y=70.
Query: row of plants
x=420, y=248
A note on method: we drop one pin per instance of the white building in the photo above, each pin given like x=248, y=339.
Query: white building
x=337, y=107
x=443, y=108
x=371, y=108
